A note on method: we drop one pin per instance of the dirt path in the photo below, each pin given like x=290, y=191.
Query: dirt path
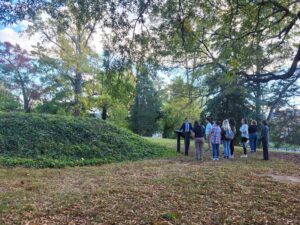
x=286, y=156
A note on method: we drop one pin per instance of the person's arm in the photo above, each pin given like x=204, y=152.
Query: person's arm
x=182, y=127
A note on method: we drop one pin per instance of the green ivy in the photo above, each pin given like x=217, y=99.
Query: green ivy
x=35, y=140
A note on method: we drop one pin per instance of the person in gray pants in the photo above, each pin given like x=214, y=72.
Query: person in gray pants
x=198, y=131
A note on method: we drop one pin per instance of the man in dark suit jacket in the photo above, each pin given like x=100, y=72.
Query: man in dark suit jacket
x=187, y=129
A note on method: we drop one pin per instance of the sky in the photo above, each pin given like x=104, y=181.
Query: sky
x=15, y=34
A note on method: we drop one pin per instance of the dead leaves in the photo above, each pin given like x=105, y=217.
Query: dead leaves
x=157, y=192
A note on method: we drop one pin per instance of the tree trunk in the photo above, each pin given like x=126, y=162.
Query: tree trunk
x=26, y=100
x=104, y=112
x=78, y=94
x=258, y=101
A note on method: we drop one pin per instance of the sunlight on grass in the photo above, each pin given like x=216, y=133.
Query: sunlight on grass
x=178, y=190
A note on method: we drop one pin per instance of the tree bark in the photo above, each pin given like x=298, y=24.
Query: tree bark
x=258, y=101
x=104, y=112
x=78, y=94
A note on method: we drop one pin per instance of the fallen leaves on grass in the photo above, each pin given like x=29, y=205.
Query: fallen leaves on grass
x=160, y=192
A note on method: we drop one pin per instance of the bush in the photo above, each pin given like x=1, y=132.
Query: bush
x=35, y=140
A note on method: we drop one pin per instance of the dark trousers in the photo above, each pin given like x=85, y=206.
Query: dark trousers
x=265, y=145
x=187, y=138
x=232, y=147
x=244, y=142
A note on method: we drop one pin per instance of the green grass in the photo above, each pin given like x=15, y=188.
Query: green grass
x=34, y=140
x=178, y=190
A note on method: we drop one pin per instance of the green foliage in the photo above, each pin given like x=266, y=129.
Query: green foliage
x=146, y=109
x=7, y=101
x=285, y=128
x=230, y=98
x=56, y=141
x=177, y=106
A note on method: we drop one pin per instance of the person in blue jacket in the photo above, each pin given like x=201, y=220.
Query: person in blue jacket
x=187, y=129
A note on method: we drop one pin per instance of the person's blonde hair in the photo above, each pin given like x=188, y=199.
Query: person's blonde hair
x=226, y=125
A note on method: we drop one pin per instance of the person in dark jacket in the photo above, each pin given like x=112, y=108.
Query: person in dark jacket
x=252, y=129
x=186, y=128
x=198, y=131
x=232, y=124
x=264, y=137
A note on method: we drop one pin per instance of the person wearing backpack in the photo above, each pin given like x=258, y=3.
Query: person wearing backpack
x=227, y=135
x=198, y=131
x=215, y=139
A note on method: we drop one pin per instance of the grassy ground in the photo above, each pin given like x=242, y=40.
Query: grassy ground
x=177, y=190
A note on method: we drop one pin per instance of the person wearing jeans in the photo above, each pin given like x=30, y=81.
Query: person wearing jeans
x=199, y=140
x=215, y=139
x=226, y=131
x=252, y=135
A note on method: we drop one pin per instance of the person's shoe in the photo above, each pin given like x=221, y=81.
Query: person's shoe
x=232, y=156
x=244, y=156
x=217, y=159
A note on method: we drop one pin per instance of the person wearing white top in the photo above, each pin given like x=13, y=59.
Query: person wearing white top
x=245, y=135
x=207, y=132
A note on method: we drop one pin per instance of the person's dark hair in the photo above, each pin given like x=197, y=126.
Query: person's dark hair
x=185, y=119
x=265, y=122
x=245, y=121
x=218, y=123
x=232, y=122
x=208, y=119
x=253, y=122
x=196, y=123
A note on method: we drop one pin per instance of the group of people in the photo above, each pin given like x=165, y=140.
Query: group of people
x=216, y=133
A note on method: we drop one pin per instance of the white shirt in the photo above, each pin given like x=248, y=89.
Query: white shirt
x=244, y=131
x=208, y=128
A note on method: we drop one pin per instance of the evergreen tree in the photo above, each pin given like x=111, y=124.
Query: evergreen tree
x=146, y=109
x=228, y=98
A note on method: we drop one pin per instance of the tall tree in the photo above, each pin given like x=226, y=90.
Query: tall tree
x=19, y=73
x=228, y=98
x=177, y=106
x=146, y=109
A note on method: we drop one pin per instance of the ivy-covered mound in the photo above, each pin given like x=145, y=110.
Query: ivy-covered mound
x=33, y=140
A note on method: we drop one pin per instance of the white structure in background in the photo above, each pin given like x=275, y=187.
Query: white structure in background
x=97, y=114
x=157, y=135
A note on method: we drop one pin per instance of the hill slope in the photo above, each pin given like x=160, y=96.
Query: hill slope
x=53, y=141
